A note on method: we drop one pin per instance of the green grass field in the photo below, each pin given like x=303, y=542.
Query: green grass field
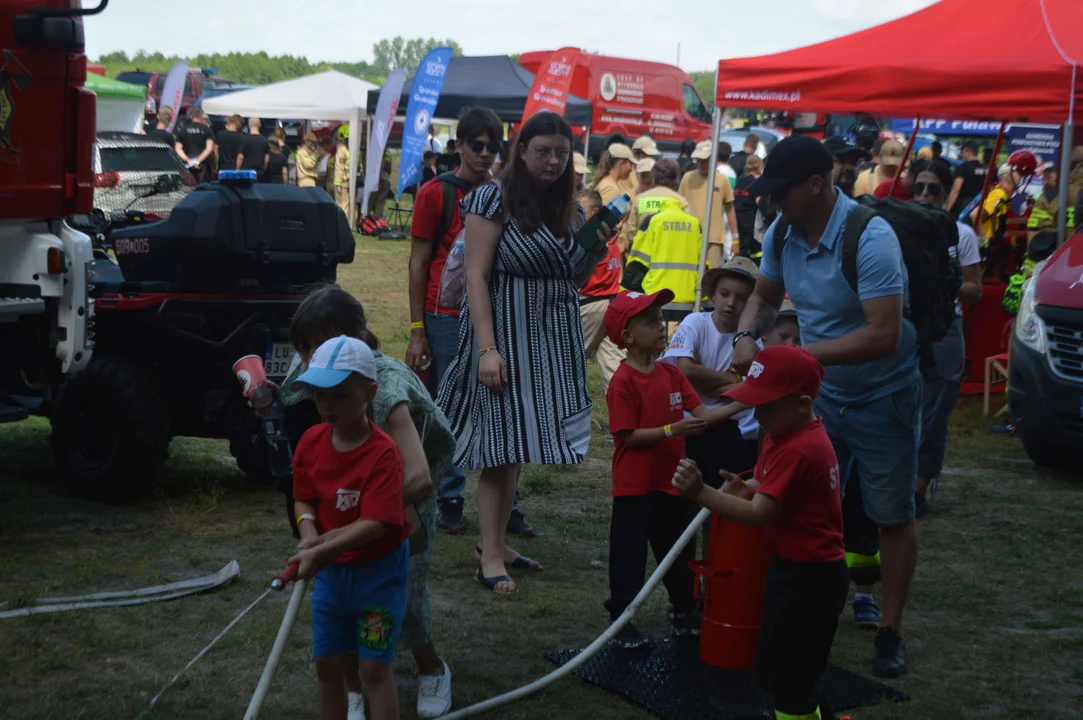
x=994, y=627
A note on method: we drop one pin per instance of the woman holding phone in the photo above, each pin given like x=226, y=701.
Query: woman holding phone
x=517, y=390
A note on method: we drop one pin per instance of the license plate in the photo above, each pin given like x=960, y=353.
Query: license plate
x=277, y=361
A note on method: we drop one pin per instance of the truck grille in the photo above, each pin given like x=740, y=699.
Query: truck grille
x=1066, y=351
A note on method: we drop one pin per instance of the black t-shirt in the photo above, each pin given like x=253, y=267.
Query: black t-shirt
x=973, y=174
x=275, y=163
x=193, y=138
x=686, y=164
x=427, y=173
x=448, y=162
x=163, y=136
x=255, y=149
x=737, y=162
x=229, y=146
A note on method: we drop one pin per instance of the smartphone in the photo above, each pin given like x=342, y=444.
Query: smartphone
x=611, y=214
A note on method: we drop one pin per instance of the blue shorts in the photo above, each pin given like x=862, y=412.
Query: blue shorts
x=877, y=444
x=359, y=608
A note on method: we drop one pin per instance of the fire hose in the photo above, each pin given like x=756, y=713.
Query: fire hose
x=508, y=697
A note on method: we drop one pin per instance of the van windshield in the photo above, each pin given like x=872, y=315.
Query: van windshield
x=694, y=106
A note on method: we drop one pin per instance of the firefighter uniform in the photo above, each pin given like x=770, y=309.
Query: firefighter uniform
x=307, y=162
x=665, y=255
x=383, y=187
x=1043, y=218
x=342, y=178
x=648, y=203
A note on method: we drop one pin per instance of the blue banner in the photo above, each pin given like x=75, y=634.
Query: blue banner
x=1042, y=140
x=972, y=128
x=424, y=93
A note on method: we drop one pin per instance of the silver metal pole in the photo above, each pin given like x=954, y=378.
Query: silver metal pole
x=712, y=174
x=1065, y=171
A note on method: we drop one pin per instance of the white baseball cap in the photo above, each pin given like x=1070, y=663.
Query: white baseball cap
x=335, y=360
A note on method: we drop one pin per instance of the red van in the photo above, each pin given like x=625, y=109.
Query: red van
x=633, y=97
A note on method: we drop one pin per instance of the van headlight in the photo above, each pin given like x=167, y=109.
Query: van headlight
x=1029, y=328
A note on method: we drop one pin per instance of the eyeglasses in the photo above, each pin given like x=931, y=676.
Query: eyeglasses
x=477, y=146
x=931, y=189
x=544, y=153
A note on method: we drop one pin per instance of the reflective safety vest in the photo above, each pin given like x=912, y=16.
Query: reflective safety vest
x=1044, y=215
x=669, y=248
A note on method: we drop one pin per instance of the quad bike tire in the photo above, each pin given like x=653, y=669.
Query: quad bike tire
x=111, y=430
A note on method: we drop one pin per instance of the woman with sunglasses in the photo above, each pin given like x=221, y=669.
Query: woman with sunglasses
x=931, y=183
x=516, y=391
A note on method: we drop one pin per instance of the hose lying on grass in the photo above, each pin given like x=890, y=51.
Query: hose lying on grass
x=122, y=598
x=592, y=649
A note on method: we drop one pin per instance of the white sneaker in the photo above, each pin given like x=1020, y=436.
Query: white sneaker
x=434, y=694
x=356, y=708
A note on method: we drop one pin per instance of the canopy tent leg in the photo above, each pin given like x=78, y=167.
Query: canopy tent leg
x=990, y=178
x=711, y=175
x=1065, y=171
x=906, y=154
x=355, y=158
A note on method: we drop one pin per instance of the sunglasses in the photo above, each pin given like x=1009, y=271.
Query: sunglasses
x=932, y=189
x=477, y=146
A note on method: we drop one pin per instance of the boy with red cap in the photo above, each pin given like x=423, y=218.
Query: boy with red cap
x=647, y=400
x=795, y=497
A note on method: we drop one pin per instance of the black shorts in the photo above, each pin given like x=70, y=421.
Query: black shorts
x=800, y=615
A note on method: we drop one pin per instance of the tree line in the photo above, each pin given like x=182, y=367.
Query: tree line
x=261, y=68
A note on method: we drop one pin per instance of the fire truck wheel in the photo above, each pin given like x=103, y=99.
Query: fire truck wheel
x=111, y=430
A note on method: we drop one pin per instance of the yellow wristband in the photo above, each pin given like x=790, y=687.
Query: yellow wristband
x=305, y=516
x=668, y=430
x=419, y=325
x=737, y=373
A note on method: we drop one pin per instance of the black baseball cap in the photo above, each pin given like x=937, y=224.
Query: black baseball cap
x=794, y=160
x=840, y=145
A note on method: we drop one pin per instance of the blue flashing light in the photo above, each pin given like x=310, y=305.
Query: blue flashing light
x=237, y=177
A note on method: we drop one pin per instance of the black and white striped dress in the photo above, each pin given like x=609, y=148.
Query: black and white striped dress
x=544, y=414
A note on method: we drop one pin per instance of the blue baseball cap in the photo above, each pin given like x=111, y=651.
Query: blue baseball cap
x=335, y=360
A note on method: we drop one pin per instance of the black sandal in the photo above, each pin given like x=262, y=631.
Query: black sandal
x=522, y=562
x=492, y=582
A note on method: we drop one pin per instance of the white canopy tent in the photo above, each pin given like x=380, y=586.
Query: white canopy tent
x=328, y=95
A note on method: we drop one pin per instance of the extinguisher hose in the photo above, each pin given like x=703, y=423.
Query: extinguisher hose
x=284, y=631
x=592, y=649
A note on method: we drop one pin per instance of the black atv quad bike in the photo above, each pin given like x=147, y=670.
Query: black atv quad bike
x=177, y=302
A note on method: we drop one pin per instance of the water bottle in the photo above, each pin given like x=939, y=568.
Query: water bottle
x=273, y=416
x=618, y=206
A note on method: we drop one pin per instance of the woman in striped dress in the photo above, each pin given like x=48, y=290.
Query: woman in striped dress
x=517, y=390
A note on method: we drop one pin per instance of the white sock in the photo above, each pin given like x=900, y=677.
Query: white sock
x=862, y=596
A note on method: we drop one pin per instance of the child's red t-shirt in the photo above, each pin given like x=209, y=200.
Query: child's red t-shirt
x=800, y=470
x=637, y=401
x=363, y=484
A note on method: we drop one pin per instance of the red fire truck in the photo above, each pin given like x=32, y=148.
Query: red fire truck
x=47, y=124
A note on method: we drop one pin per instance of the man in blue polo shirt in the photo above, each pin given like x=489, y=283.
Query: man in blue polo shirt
x=871, y=396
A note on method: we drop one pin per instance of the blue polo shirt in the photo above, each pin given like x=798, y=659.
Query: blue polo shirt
x=828, y=308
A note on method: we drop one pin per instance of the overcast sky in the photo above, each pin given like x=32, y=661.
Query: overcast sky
x=345, y=30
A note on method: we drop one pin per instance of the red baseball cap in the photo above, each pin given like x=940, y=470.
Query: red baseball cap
x=626, y=305
x=779, y=371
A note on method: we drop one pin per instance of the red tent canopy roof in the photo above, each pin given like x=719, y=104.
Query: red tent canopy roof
x=958, y=59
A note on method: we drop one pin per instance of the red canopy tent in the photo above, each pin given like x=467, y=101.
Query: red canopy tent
x=958, y=59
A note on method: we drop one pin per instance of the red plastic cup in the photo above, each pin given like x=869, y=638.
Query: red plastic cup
x=250, y=373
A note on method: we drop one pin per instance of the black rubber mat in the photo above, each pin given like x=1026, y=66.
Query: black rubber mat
x=670, y=681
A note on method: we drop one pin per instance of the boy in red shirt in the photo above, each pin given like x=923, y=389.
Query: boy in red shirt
x=647, y=400
x=795, y=496
x=347, y=485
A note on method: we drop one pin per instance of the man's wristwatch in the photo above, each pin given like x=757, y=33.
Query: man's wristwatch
x=742, y=334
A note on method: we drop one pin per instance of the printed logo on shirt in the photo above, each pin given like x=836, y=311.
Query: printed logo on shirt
x=678, y=341
x=755, y=370
x=676, y=401
x=835, y=477
x=347, y=499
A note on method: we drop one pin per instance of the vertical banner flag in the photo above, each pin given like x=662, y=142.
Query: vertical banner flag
x=552, y=83
x=424, y=94
x=173, y=90
x=386, y=109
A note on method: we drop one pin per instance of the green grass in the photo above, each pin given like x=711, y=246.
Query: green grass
x=994, y=627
